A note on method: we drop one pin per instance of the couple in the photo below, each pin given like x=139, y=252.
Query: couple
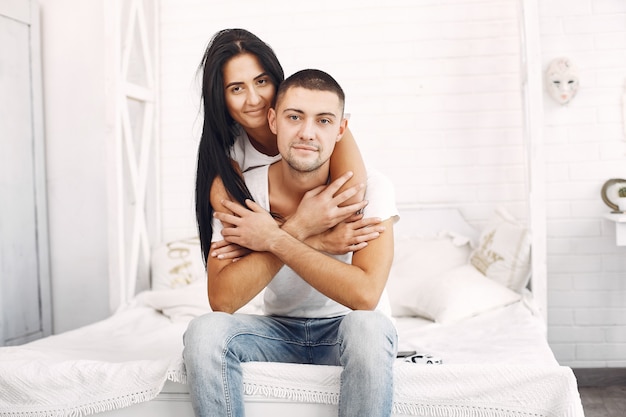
x=319, y=309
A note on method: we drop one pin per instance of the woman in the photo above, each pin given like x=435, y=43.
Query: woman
x=240, y=74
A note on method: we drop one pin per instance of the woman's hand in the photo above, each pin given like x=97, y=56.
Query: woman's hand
x=348, y=236
x=250, y=227
x=225, y=250
x=319, y=209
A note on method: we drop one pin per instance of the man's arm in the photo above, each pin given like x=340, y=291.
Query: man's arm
x=357, y=286
x=232, y=284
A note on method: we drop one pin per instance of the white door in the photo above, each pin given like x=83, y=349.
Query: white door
x=24, y=270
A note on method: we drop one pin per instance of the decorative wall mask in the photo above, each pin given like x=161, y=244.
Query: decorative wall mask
x=562, y=80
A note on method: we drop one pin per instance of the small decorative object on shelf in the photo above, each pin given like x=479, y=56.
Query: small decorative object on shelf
x=612, y=192
x=614, y=196
x=621, y=199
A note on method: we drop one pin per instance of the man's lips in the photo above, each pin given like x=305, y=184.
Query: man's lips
x=305, y=148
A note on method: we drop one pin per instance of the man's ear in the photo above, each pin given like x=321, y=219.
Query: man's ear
x=271, y=119
x=343, y=125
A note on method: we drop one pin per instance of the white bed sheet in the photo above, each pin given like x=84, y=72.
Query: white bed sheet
x=513, y=334
x=128, y=358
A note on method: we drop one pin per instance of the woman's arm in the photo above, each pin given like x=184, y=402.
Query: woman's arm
x=347, y=157
x=323, y=220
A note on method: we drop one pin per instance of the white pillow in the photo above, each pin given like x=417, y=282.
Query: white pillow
x=418, y=260
x=460, y=293
x=503, y=252
x=177, y=264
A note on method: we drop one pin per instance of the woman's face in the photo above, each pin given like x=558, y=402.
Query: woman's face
x=248, y=90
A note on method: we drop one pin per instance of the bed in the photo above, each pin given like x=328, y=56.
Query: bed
x=458, y=294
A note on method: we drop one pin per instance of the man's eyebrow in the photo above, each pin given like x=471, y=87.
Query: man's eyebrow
x=292, y=109
x=261, y=75
x=295, y=110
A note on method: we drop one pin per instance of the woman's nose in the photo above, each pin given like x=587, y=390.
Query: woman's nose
x=253, y=96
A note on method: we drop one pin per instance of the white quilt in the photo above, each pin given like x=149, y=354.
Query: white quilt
x=127, y=359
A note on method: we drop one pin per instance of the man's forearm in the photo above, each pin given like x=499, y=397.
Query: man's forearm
x=345, y=283
x=236, y=283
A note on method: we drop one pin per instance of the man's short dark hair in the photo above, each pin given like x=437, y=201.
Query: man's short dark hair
x=311, y=79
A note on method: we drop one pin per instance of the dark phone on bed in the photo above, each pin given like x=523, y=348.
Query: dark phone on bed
x=405, y=353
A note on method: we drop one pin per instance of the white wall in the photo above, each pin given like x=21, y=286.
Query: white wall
x=433, y=88
x=585, y=146
x=73, y=83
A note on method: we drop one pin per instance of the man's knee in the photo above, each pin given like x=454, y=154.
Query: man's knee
x=206, y=331
x=369, y=327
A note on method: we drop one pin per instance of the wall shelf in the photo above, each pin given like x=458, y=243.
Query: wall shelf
x=620, y=227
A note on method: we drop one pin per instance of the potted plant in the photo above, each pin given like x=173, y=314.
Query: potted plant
x=621, y=199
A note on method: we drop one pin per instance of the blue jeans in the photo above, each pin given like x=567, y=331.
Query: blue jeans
x=363, y=342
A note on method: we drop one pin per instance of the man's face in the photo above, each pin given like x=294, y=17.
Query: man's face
x=308, y=124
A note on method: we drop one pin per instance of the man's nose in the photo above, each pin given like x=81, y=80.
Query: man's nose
x=307, y=131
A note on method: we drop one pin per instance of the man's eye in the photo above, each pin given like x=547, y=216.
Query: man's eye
x=324, y=121
x=556, y=82
x=294, y=117
x=570, y=82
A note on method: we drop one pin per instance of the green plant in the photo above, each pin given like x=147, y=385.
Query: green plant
x=622, y=192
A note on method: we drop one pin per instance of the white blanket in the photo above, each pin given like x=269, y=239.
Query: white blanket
x=446, y=390
x=127, y=359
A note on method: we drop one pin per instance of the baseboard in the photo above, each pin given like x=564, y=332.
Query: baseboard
x=600, y=377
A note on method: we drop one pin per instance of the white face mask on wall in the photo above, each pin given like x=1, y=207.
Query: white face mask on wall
x=562, y=80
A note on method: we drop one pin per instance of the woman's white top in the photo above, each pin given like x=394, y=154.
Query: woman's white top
x=246, y=155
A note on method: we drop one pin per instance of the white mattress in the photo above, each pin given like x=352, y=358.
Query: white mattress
x=128, y=358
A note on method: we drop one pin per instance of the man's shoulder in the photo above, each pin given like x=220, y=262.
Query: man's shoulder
x=256, y=173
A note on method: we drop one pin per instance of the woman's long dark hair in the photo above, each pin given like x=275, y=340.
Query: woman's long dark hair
x=219, y=129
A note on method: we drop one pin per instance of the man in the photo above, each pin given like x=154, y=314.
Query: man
x=319, y=309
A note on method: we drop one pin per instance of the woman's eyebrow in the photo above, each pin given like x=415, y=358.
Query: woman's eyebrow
x=261, y=75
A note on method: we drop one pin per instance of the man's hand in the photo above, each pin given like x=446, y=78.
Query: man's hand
x=251, y=227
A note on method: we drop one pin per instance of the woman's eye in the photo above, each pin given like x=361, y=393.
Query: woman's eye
x=236, y=89
x=556, y=82
x=570, y=82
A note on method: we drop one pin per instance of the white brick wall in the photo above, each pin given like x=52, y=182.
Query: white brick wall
x=585, y=146
x=433, y=88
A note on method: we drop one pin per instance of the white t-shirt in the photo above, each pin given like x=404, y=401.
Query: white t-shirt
x=246, y=155
x=288, y=294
